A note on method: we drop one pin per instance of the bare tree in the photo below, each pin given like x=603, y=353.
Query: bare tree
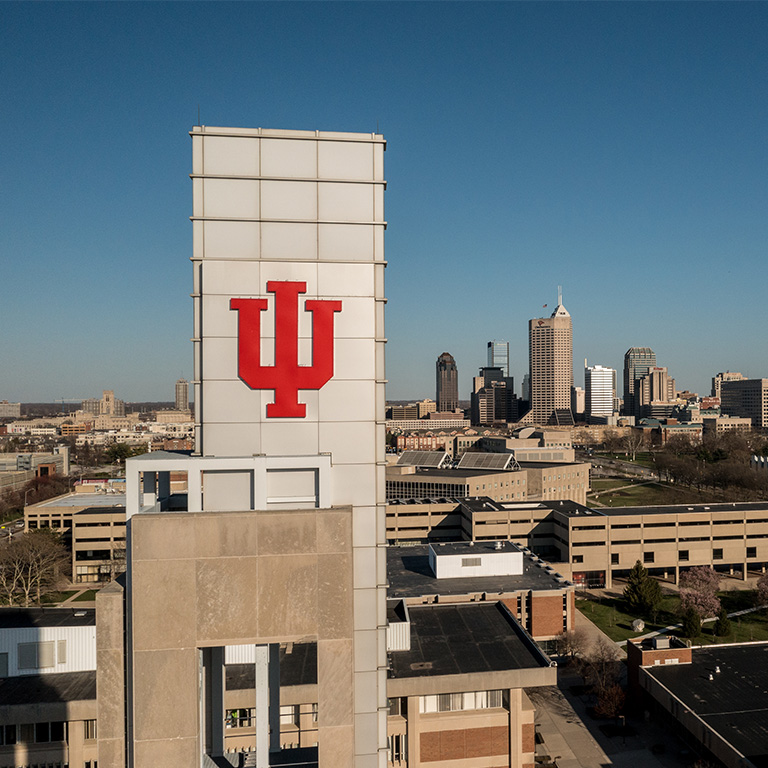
x=634, y=441
x=573, y=643
x=31, y=565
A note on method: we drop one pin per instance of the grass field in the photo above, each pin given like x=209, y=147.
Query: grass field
x=649, y=494
x=88, y=595
x=612, y=616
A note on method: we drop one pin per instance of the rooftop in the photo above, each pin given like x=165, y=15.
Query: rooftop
x=409, y=575
x=735, y=702
x=85, y=500
x=476, y=547
x=464, y=639
x=299, y=667
x=48, y=689
x=679, y=509
x=19, y=618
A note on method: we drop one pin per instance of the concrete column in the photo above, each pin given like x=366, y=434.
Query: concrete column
x=677, y=574
x=515, y=728
x=213, y=700
x=412, y=728
x=194, y=489
x=267, y=707
x=744, y=571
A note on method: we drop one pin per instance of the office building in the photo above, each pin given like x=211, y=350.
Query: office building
x=655, y=395
x=182, y=395
x=498, y=356
x=107, y=405
x=551, y=367
x=600, y=392
x=638, y=361
x=493, y=397
x=447, y=384
x=10, y=410
x=718, y=380
x=747, y=398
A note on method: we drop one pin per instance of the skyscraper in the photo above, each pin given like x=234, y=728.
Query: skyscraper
x=599, y=384
x=638, y=361
x=447, y=385
x=551, y=365
x=498, y=356
x=182, y=395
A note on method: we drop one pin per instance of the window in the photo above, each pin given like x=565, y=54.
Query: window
x=398, y=747
x=3, y=665
x=36, y=655
x=717, y=554
x=615, y=559
x=7, y=735
x=89, y=729
x=577, y=559
x=751, y=551
x=243, y=718
x=648, y=557
x=682, y=555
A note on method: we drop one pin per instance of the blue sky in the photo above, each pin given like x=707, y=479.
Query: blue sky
x=616, y=149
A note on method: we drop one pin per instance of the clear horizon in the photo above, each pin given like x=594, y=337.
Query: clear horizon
x=616, y=149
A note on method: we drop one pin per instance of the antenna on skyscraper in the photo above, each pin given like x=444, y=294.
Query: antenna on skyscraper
x=559, y=294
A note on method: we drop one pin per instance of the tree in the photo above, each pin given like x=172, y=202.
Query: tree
x=762, y=589
x=31, y=565
x=634, y=441
x=602, y=665
x=642, y=592
x=610, y=701
x=573, y=643
x=723, y=624
x=698, y=587
x=691, y=624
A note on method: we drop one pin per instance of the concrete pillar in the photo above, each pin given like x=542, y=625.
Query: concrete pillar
x=267, y=669
x=677, y=574
x=515, y=728
x=213, y=699
x=194, y=489
x=744, y=571
x=412, y=727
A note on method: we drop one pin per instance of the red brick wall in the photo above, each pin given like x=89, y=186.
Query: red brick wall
x=546, y=615
x=465, y=743
x=529, y=737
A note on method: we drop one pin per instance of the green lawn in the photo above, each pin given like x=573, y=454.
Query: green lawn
x=613, y=618
x=652, y=494
x=88, y=595
x=57, y=597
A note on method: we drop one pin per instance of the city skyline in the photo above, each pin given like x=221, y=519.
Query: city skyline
x=618, y=152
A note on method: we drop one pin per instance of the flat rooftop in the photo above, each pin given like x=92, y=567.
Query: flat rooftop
x=473, y=547
x=735, y=702
x=409, y=575
x=682, y=509
x=22, y=618
x=84, y=500
x=297, y=667
x=464, y=639
x=48, y=689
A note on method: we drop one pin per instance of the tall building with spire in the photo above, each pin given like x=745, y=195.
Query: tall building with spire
x=638, y=362
x=551, y=366
x=447, y=383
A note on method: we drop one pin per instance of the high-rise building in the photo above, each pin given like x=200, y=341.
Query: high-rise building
x=498, y=356
x=182, y=395
x=637, y=362
x=717, y=381
x=551, y=366
x=746, y=398
x=447, y=385
x=655, y=393
x=108, y=405
x=600, y=391
x=493, y=397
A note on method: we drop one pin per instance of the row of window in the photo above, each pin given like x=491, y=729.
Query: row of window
x=457, y=702
x=42, y=733
x=683, y=556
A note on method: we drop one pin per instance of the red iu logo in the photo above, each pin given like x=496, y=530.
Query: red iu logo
x=286, y=376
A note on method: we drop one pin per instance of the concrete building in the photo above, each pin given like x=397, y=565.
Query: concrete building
x=425, y=407
x=498, y=356
x=600, y=391
x=182, y=395
x=551, y=367
x=655, y=395
x=638, y=361
x=286, y=490
x=718, y=379
x=107, y=405
x=447, y=383
x=10, y=410
x=493, y=397
x=720, y=424
x=715, y=695
x=746, y=398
